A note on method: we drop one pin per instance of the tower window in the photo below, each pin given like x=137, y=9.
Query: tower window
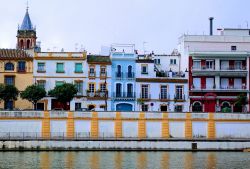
x=28, y=44
x=233, y=48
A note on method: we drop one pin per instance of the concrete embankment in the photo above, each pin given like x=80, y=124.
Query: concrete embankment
x=153, y=145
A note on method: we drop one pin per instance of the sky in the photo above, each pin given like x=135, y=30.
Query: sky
x=153, y=25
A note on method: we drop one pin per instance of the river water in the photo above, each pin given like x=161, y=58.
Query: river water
x=124, y=160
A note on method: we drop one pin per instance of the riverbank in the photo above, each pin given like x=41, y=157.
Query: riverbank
x=126, y=145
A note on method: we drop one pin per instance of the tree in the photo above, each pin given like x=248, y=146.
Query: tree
x=241, y=100
x=64, y=93
x=33, y=93
x=8, y=93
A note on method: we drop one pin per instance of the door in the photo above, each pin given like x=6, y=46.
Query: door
x=129, y=90
x=224, y=83
x=209, y=83
x=118, y=90
x=123, y=107
x=210, y=105
x=164, y=108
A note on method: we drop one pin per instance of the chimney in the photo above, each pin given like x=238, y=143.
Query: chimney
x=211, y=25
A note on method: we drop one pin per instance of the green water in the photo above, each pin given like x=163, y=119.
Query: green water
x=124, y=160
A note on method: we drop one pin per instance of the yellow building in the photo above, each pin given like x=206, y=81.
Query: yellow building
x=16, y=65
x=16, y=68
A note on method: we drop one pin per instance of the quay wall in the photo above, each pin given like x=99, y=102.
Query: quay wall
x=31, y=125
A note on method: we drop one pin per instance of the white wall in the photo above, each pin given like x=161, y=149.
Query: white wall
x=58, y=128
x=106, y=128
x=153, y=129
x=199, y=129
x=130, y=129
x=177, y=129
x=232, y=130
x=82, y=128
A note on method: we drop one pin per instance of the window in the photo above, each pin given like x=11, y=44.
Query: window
x=78, y=67
x=233, y=48
x=130, y=74
x=9, y=66
x=59, y=68
x=144, y=107
x=144, y=92
x=91, y=87
x=178, y=92
x=238, y=65
x=144, y=69
x=197, y=64
x=41, y=67
x=129, y=90
x=157, y=61
x=209, y=64
x=59, y=83
x=119, y=71
x=196, y=83
x=102, y=107
x=41, y=83
x=173, y=61
x=197, y=107
x=9, y=80
x=178, y=108
x=79, y=86
x=78, y=106
x=102, y=87
x=91, y=107
x=21, y=66
x=164, y=92
x=103, y=71
x=92, y=71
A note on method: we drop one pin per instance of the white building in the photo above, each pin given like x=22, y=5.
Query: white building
x=165, y=93
x=52, y=69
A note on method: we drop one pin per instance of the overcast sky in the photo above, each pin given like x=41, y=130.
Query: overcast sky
x=96, y=23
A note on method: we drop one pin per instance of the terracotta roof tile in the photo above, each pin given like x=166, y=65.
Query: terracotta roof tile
x=14, y=54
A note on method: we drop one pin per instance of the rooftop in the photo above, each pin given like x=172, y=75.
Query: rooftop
x=14, y=54
x=26, y=24
x=98, y=59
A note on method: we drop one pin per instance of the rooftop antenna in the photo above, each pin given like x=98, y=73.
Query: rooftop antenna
x=27, y=8
x=247, y=24
x=144, y=48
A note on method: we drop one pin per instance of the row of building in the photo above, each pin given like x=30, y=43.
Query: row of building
x=206, y=74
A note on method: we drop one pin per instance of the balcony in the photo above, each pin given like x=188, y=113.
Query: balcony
x=164, y=97
x=103, y=74
x=98, y=95
x=92, y=74
x=179, y=97
x=21, y=69
x=145, y=97
x=220, y=89
x=130, y=75
x=118, y=75
x=232, y=71
x=124, y=95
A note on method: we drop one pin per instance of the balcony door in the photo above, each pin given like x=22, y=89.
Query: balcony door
x=129, y=71
x=197, y=83
x=209, y=83
x=118, y=90
x=237, y=83
x=224, y=65
x=129, y=90
x=144, y=91
x=224, y=83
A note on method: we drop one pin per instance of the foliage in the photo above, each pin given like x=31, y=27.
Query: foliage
x=226, y=110
x=140, y=101
x=33, y=93
x=8, y=92
x=64, y=93
x=241, y=100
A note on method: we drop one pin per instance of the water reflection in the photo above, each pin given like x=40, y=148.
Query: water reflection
x=124, y=160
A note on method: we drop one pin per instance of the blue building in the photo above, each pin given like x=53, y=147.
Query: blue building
x=123, y=59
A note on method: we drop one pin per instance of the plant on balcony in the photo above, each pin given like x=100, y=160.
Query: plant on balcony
x=140, y=101
x=226, y=110
x=8, y=93
x=33, y=93
x=241, y=101
x=64, y=93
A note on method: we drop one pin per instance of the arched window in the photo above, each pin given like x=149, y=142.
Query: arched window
x=197, y=107
x=21, y=44
x=130, y=74
x=119, y=71
x=9, y=66
x=129, y=90
x=118, y=90
x=28, y=44
x=225, y=107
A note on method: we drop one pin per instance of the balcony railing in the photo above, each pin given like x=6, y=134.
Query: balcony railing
x=163, y=96
x=97, y=94
x=233, y=68
x=124, y=95
x=130, y=75
x=145, y=96
x=119, y=75
x=243, y=87
x=203, y=68
x=179, y=96
x=92, y=74
x=103, y=74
